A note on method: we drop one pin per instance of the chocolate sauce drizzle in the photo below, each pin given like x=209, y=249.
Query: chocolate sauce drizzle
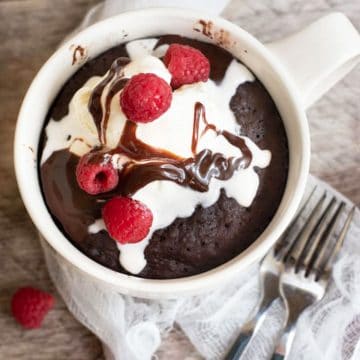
x=95, y=107
x=143, y=163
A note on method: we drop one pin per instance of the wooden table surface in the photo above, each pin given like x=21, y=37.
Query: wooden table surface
x=30, y=30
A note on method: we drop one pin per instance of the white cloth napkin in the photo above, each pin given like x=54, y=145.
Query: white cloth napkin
x=132, y=328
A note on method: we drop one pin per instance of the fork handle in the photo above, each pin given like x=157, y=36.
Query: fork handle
x=277, y=357
x=249, y=329
x=239, y=346
x=247, y=333
x=283, y=347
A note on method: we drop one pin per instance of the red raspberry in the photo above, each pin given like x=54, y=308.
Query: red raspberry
x=29, y=306
x=145, y=97
x=127, y=220
x=186, y=64
x=96, y=174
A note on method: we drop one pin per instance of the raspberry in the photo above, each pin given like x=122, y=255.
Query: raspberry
x=96, y=175
x=29, y=306
x=127, y=220
x=145, y=97
x=186, y=64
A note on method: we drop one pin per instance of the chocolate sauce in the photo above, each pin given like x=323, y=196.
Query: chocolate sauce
x=198, y=111
x=147, y=164
x=144, y=164
x=133, y=147
x=95, y=107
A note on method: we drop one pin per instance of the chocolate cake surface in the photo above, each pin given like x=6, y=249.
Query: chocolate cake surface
x=212, y=235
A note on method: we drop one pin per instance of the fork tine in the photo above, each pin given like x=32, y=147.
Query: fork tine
x=339, y=242
x=303, y=237
x=321, y=228
x=282, y=246
x=319, y=255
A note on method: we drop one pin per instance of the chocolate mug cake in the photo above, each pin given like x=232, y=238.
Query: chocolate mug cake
x=163, y=158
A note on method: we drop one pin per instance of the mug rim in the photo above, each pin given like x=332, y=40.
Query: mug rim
x=36, y=206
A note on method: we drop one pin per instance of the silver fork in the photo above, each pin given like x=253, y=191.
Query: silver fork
x=307, y=269
x=273, y=265
x=270, y=269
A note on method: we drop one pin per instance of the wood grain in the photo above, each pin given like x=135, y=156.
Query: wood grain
x=30, y=30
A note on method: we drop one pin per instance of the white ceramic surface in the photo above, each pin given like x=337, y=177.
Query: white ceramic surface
x=296, y=71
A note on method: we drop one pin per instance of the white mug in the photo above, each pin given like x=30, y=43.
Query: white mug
x=296, y=71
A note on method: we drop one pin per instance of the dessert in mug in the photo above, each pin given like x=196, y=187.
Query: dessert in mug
x=163, y=158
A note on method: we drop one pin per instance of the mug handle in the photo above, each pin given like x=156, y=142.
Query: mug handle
x=319, y=55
